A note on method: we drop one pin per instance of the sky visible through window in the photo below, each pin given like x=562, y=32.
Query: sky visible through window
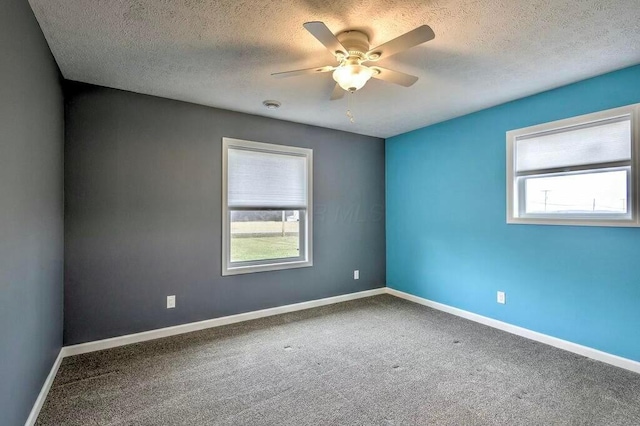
x=603, y=192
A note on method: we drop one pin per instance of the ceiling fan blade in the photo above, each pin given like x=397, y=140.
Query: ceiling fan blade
x=324, y=35
x=338, y=93
x=303, y=72
x=396, y=77
x=414, y=37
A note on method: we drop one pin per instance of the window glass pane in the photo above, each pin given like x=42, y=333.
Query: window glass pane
x=601, y=143
x=265, y=234
x=584, y=193
x=265, y=179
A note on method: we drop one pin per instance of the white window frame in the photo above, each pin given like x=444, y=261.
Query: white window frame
x=306, y=216
x=515, y=193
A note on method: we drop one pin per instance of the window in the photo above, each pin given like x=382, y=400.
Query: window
x=266, y=207
x=579, y=171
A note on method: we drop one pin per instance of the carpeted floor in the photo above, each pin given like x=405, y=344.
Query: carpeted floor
x=374, y=361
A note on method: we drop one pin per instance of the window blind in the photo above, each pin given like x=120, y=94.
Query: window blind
x=266, y=180
x=592, y=144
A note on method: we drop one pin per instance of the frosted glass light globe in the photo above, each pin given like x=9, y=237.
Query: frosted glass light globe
x=352, y=77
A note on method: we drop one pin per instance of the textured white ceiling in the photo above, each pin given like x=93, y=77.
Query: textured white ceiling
x=221, y=53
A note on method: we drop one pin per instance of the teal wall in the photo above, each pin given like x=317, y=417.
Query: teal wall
x=448, y=240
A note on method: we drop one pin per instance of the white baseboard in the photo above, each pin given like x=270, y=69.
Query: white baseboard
x=128, y=339
x=42, y=396
x=586, y=351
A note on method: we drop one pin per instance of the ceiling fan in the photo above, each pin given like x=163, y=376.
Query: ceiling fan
x=351, y=50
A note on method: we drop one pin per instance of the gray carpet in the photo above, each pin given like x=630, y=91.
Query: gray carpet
x=374, y=361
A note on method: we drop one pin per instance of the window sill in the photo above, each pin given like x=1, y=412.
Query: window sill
x=238, y=270
x=626, y=223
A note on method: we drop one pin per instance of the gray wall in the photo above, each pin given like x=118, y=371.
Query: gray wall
x=142, y=214
x=31, y=246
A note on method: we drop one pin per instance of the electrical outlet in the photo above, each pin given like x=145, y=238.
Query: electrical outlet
x=171, y=302
x=356, y=274
x=502, y=298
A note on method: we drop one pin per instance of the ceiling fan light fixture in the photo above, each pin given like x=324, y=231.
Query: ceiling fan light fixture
x=351, y=48
x=352, y=77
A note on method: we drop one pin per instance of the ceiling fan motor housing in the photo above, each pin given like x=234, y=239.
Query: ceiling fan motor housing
x=356, y=42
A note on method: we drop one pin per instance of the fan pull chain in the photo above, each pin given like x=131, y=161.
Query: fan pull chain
x=349, y=114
